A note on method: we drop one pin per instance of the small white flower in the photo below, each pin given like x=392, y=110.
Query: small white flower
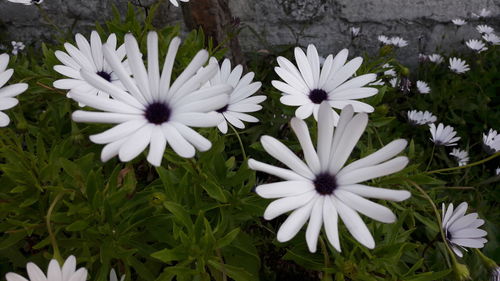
x=476, y=45
x=461, y=156
x=443, y=135
x=27, y=2
x=384, y=39
x=355, y=31
x=492, y=38
x=393, y=82
x=8, y=93
x=114, y=277
x=240, y=102
x=399, y=42
x=55, y=272
x=435, y=58
x=152, y=111
x=458, y=65
x=458, y=22
x=421, y=118
x=16, y=47
x=484, y=13
x=485, y=29
x=307, y=85
x=423, y=87
x=390, y=71
x=491, y=141
x=322, y=189
x=89, y=57
x=422, y=57
x=462, y=230
x=175, y=3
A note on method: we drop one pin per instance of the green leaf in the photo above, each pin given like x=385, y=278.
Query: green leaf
x=169, y=255
x=77, y=226
x=429, y=276
x=214, y=191
x=237, y=273
x=227, y=239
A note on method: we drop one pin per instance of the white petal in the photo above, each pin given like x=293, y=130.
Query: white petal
x=136, y=143
x=457, y=213
x=295, y=221
x=354, y=224
x=366, y=207
x=351, y=94
x=357, y=105
x=103, y=117
x=244, y=117
x=205, y=105
x=6, y=103
x=193, y=137
x=167, y=67
x=105, y=104
x=304, y=67
x=54, y=271
x=330, y=217
x=471, y=243
x=14, y=277
x=200, y=58
x=35, y=273
x=304, y=111
x=178, y=143
x=325, y=134
x=222, y=126
x=344, y=119
x=13, y=90
x=302, y=133
x=80, y=275
x=364, y=174
x=69, y=267
x=153, y=65
x=469, y=233
x=233, y=120
x=447, y=215
x=117, y=132
x=282, y=153
x=284, y=189
x=377, y=192
x=96, y=48
x=315, y=223
x=457, y=251
x=295, y=100
x=287, y=89
x=5, y=76
x=196, y=119
x=462, y=222
x=157, y=146
x=358, y=82
x=275, y=171
x=343, y=74
x=110, y=150
x=4, y=119
x=283, y=205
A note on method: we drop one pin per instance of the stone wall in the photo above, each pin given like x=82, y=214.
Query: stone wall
x=424, y=23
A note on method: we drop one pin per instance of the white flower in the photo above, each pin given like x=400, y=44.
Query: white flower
x=476, y=45
x=423, y=87
x=399, y=42
x=8, y=93
x=89, y=57
x=27, y=2
x=443, y=135
x=384, y=39
x=321, y=189
x=484, y=29
x=458, y=22
x=461, y=156
x=422, y=57
x=393, y=82
x=458, y=65
x=482, y=14
x=354, y=31
x=240, y=102
x=55, y=272
x=491, y=141
x=492, y=38
x=114, y=277
x=420, y=118
x=152, y=111
x=462, y=230
x=495, y=274
x=435, y=58
x=175, y=3
x=309, y=85
x=390, y=71
x=16, y=47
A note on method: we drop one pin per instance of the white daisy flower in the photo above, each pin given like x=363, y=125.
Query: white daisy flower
x=152, y=111
x=399, y=42
x=17, y=47
x=114, y=277
x=321, y=189
x=309, y=85
x=484, y=13
x=461, y=156
x=8, y=93
x=484, y=29
x=435, y=58
x=476, y=45
x=420, y=117
x=240, y=100
x=384, y=39
x=27, y=2
x=355, y=31
x=423, y=87
x=492, y=38
x=458, y=22
x=175, y=3
x=89, y=57
x=443, y=135
x=491, y=142
x=462, y=230
x=458, y=65
x=55, y=272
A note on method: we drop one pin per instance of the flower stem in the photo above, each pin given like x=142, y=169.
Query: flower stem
x=326, y=276
x=432, y=157
x=239, y=140
x=53, y=241
x=465, y=166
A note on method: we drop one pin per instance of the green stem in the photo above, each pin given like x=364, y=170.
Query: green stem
x=326, y=276
x=432, y=157
x=53, y=241
x=465, y=166
x=239, y=140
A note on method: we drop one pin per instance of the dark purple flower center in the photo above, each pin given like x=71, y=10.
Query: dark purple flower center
x=157, y=113
x=325, y=183
x=223, y=109
x=318, y=95
x=106, y=76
